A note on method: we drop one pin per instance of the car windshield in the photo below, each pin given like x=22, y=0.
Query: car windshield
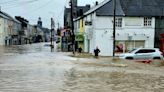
x=131, y=51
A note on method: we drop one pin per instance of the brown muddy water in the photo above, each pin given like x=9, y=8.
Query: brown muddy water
x=106, y=75
x=33, y=68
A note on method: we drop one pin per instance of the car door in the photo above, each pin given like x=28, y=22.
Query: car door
x=141, y=54
x=149, y=53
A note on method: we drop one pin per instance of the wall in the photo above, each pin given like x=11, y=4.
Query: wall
x=159, y=29
x=82, y=26
x=1, y=30
x=100, y=33
x=104, y=42
x=132, y=29
x=90, y=36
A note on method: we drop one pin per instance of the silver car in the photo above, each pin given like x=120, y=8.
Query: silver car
x=143, y=53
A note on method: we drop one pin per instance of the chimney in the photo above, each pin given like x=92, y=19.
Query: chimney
x=96, y=3
x=81, y=12
x=88, y=6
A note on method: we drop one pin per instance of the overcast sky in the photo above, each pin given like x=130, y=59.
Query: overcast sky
x=32, y=9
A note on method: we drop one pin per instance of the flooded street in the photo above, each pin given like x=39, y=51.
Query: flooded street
x=103, y=76
x=33, y=68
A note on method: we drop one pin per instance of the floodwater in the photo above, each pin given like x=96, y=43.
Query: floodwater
x=33, y=68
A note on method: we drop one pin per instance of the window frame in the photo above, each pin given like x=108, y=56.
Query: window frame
x=145, y=51
x=147, y=21
x=118, y=22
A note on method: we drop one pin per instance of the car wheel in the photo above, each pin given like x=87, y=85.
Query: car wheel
x=158, y=58
x=129, y=58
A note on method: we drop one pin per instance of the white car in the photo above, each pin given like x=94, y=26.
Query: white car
x=143, y=53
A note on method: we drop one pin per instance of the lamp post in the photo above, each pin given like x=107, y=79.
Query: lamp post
x=114, y=26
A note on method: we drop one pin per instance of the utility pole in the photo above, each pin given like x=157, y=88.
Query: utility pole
x=52, y=34
x=72, y=27
x=114, y=26
x=58, y=25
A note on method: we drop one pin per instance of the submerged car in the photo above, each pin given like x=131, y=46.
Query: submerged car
x=143, y=53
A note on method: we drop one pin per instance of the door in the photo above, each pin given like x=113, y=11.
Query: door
x=140, y=54
x=88, y=46
x=144, y=54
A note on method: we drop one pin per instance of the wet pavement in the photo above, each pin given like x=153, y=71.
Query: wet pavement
x=33, y=68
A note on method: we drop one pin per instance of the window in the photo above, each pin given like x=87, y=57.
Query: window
x=147, y=21
x=145, y=51
x=78, y=25
x=118, y=22
x=130, y=45
x=82, y=23
x=150, y=51
x=141, y=51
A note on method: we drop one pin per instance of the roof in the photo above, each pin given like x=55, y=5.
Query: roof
x=93, y=9
x=107, y=9
x=96, y=7
x=7, y=16
x=128, y=8
x=21, y=19
x=16, y=21
x=143, y=7
x=78, y=8
x=83, y=8
x=4, y=15
x=132, y=8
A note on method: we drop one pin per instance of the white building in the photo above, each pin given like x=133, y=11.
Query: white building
x=4, y=29
x=135, y=25
x=9, y=28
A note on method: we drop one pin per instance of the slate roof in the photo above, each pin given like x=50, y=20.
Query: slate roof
x=129, y=8
x=21, y=19
x=3, y=15
x=107, y=9
x=143, y=7
x=84, y=8
x=78, y=8
x=97, y=7
x=7, y=16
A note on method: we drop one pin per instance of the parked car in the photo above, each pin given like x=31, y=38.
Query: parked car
x=143, y=53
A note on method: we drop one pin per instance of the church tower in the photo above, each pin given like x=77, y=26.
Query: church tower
x=39, y=24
